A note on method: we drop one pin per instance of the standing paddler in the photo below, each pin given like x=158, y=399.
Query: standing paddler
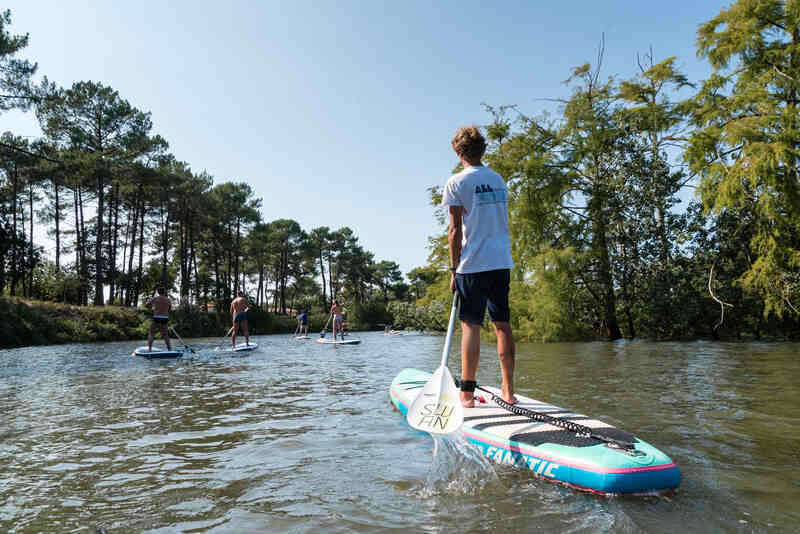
x=480, y=259
x=161, y=305
x=303, y=323
x=239, y=308
x=338, y=320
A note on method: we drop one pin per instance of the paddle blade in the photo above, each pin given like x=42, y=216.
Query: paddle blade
x=437, y=409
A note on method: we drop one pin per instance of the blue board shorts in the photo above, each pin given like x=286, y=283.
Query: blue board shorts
x=476, y=290
x=160, y=319
x=239, y=317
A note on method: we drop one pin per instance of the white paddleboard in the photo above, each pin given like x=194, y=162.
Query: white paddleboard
x=302, y=337
x=242, y=347
x=323, y=341
x=157, y=353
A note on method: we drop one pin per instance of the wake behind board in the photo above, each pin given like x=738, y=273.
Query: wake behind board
x=157, y=353
x=552, y=452
x=323, y=341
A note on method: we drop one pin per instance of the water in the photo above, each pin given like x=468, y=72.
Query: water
x=297, y=437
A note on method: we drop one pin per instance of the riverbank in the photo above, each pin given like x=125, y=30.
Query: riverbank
x=30, y=322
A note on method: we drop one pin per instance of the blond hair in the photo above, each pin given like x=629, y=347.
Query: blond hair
x=468, y=143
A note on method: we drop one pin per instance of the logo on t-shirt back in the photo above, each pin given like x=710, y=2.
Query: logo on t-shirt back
x=484, y=194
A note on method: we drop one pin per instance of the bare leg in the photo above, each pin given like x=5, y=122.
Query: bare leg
x=506, y=351
x=165, y=335
x=246, y=334
x=150, y=337
x=233, y=336
x=470, y=356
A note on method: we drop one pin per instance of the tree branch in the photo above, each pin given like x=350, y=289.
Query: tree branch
x=721, y=304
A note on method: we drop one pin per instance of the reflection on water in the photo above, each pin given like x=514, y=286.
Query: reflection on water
x=300, y=437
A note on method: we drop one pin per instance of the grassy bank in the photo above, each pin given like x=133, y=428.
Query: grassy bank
x=29, y=322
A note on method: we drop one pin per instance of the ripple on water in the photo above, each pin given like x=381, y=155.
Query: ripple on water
x=301, y=438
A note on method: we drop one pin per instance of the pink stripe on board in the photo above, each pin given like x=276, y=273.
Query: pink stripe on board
x=586, y=467
x=396, y=396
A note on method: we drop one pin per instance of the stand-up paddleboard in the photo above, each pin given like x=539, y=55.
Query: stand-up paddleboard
x=552, y=452
x=157, y=353
x=323, y=341
x=302, y=337
x=242, y=347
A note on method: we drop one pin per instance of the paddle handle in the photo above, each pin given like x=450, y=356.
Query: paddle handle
x=450, y=327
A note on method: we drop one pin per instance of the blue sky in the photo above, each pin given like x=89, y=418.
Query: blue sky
x=341, y=113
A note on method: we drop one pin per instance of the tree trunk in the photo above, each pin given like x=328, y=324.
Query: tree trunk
x=324, y=287
x=165, y=244
x=78, y=247
x=14, y=253
x=610, y=323
x=84, y=266
x=58, y=228
x=141, y=254
x=30, y=244
x=98, y=251
x=110, y=246
x=236, y=264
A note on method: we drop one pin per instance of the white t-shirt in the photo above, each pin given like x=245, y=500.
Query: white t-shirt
x=487, y=244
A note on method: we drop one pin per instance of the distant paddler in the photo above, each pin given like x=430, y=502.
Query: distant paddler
x=239, y=308
x=161, y=305
x=338, y=320
x=303, y=323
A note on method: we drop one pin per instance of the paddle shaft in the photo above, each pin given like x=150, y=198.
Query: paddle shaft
x=450, y=327
x=324, y=328
x=182, y=341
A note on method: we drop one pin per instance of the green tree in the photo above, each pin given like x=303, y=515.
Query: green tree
x=747, y=140
x=95, y=121
x=16, y=90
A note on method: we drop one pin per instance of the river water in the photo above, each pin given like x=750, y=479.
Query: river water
x=298, y=437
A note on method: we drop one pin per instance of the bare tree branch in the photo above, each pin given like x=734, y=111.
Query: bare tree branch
x=721, y=304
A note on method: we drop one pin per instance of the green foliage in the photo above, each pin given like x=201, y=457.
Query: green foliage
x=370, y=315
x=747, y=138
x=546, y=307
x=15, y=74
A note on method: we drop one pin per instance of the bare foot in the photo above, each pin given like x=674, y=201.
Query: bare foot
x=511, y=399
x=467, y=399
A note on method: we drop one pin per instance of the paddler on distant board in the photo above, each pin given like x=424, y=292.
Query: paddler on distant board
x=239, y=308
x=303, y=323
x=480, y=259
x=161, y=305
x=338, y=320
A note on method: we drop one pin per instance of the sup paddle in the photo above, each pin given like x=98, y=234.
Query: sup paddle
x=187, y=347
x=221, y=341
x=322, y=334
x=437, y=409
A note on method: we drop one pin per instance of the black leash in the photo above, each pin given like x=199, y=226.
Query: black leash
x=579, y=430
